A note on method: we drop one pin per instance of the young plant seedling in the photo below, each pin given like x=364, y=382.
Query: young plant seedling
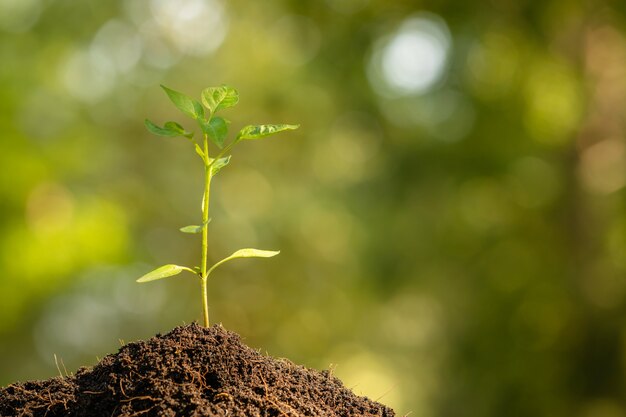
x=214, y=131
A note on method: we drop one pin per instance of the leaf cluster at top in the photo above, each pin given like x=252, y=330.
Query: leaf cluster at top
x=214, y=127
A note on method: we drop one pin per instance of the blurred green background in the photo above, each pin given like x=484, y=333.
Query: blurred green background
x=451, y=214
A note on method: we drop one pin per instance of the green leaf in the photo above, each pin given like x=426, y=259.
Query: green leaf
x=175, y=127
x=184, y=103
x=245, y=253
x=216, y=129
x=160, y=131
x=198, y=109
x=164, y=272
x=171, y=129
x=254, y=253
x=215, y=98
x=193, y=228
x=261, y=131
x=219, y=164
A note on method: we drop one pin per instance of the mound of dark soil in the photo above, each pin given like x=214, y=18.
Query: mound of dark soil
x=191, y=371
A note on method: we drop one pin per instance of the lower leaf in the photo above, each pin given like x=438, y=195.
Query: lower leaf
x=164, y=272
x=246, y=253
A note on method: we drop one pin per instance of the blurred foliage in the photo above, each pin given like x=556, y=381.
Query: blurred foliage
x=451, y=215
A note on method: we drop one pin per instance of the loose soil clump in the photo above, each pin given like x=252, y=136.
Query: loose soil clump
x=191, y=371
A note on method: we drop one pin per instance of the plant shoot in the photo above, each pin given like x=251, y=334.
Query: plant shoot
x=214, y=130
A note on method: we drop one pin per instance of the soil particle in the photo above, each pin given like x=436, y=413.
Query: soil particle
x=191, y=371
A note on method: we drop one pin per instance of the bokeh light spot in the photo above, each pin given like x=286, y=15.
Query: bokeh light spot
x=413, y=59
x=156, y=52
x=88, y=77
x=554, y=102
x=195, y=27
x=118, y=43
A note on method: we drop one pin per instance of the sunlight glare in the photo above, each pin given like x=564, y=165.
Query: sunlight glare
x=195, y=27
x=412, y=60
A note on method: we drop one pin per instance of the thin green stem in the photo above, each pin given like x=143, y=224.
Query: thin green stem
x=205, y=230
x=205, y=303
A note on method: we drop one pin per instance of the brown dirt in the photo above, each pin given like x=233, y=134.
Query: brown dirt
x=191, y=371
